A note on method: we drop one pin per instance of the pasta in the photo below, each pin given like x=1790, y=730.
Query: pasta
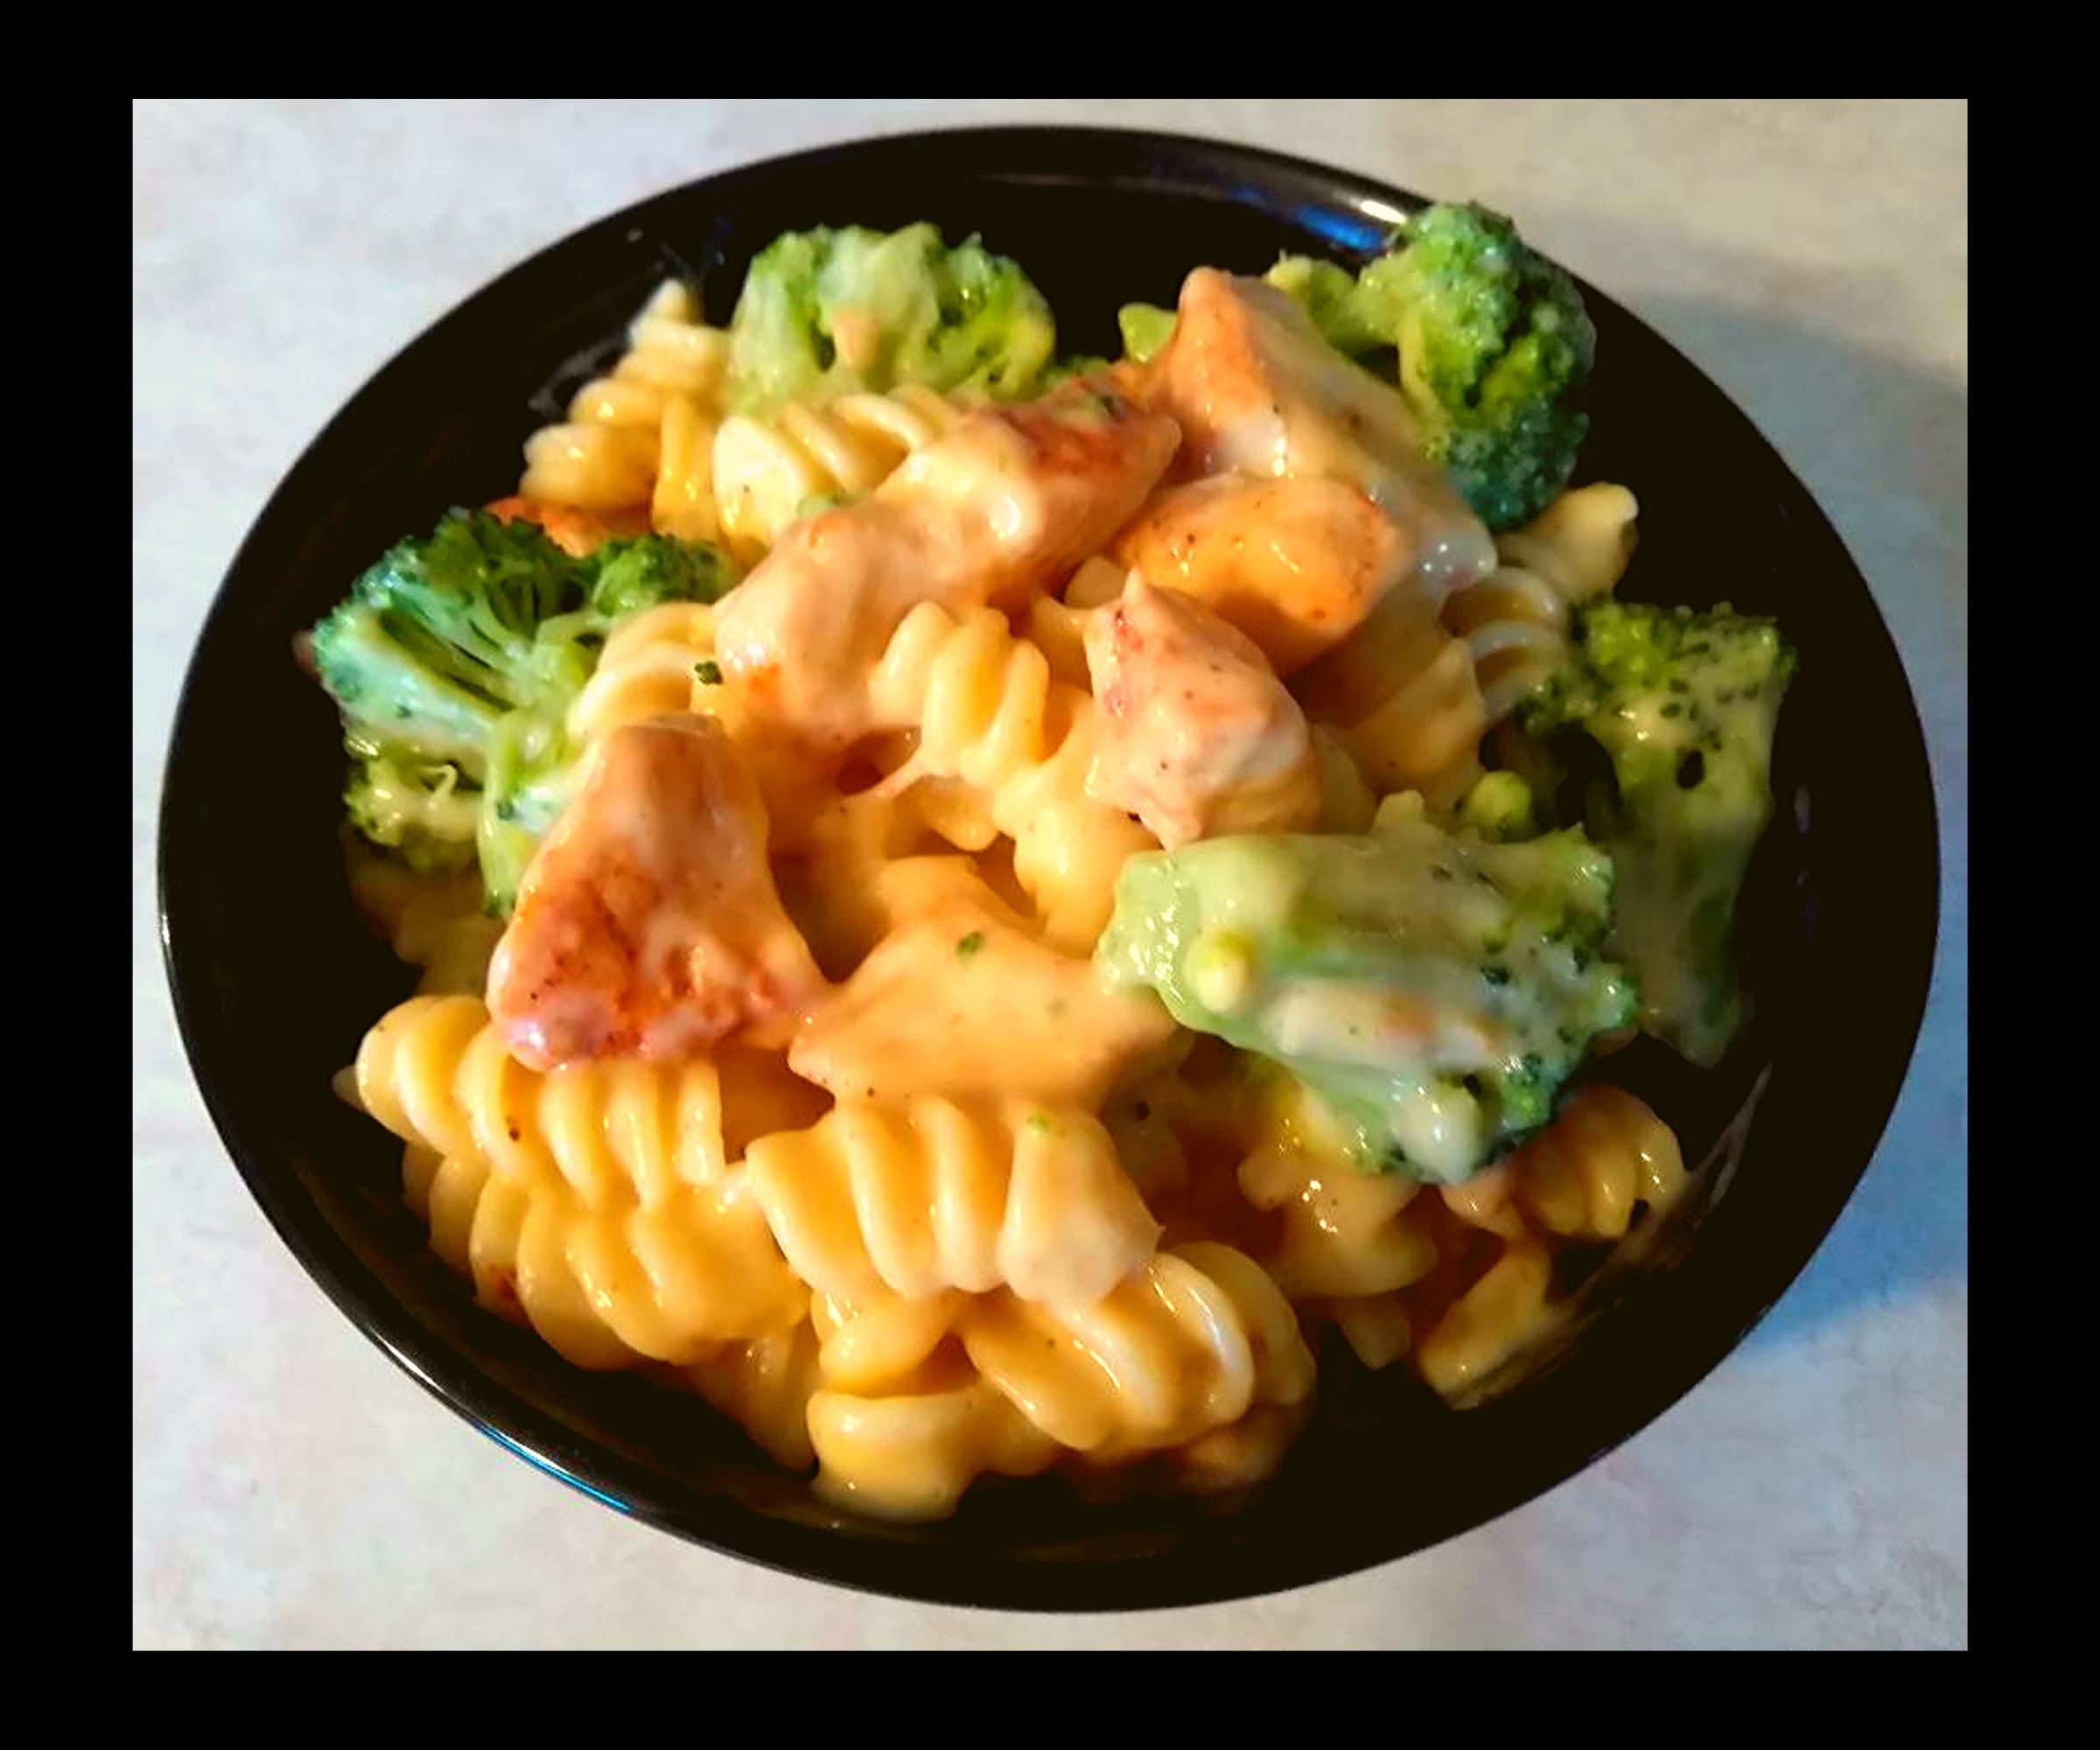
x=982, y=994
x=1189, y=1345
x=432, y=921
x=1605, y=1157
x=591, y=1199
x=1516, y=619
x=1196, y=1361
x=1345, y=1233
x=765, y=1385
x=768, y=466
x=682, y=500
x=914, y=1198
x=646, y=669
x=912, y=1455
x=987, y=711
x=605, y=455
x=1400, y=695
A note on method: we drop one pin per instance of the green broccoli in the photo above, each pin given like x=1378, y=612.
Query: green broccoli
x=651, y=570
x=1685, y=704
x=1332, y=296
x=454, y=660
x=1066, y=369
x=416, y=807
x=824, y=313
x=1434, y=988
x=1147, y=328
x=1488, y=340
x=1498, y=806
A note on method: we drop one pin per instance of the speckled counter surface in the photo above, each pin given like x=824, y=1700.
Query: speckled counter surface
x=290, y=1488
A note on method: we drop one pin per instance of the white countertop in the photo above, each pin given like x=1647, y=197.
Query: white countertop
x=291, y=1488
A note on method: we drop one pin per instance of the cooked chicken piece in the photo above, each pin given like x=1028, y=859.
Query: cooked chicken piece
x=1295, y=564
x=962, y=1001
x=646, y=924
x=1012, y=498
x=1199, y=737
x=1256, y=391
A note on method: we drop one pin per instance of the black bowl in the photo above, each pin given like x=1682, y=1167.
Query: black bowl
x=275, y=977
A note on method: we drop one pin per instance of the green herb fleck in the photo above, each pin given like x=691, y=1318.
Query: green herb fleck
x=969, y=944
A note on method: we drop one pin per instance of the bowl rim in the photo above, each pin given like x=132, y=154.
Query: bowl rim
x=1202, y=1571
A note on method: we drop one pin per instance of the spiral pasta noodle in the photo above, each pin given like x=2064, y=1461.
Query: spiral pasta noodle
x=1188, y=1344
x=1195, y=1363
x=682, y=500
x=765, y=1385
x=1344, y=1232
x=593, y=1200
x=911, y=1455
x=1606, y=1156
x=436, y=922
x=1582, y=1180
x=927, y=1195
x=646, y=669
x=1400, y=695
x=768, y=466
x=1502, y=1311
x=988, y=708
x=1515, y=620
x=606, y=454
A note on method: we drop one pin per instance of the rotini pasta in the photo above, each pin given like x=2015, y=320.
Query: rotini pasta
x=1582, y=1180
x=1400, y=695
x=1345, y=1232
x=1189, y=1344
x=765, y=1385
x=682, y=501
x=605, y=455
x=912, y=1455
x=646, y=669
x=928, y=1195
x=1587, y=1174
x=432, y=921
x=768, y=467
x=1505, y=1309
x=593, y=1200
x=988, y=709
x=1515, y=620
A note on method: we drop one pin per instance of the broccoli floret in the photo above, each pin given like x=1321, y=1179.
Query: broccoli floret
x=1434, y=988
x=654, y=569
x=1685, y=705
x=824, y=313
x=1145, y=328
x=1488, y=340
x=1065, y=370
x=532, y=771
x=1499, y=807
x=1332, y=298
x=416, y=808
x=454, y=660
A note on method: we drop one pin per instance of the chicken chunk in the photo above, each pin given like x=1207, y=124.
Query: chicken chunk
x=1010, y=498
x=647, y=924
x=1257, y=391
x=1200, y=736
x=1295, y=564
x=961, y=1001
